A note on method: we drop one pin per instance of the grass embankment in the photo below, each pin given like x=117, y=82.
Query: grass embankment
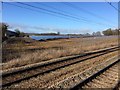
x=22, y=51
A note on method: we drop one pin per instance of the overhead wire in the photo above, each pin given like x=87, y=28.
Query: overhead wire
x=59, y=13
x=59, y=10
x=86, y=11
x=54, y=13
x=41, y=11
x=81, y=17
x=113, y=6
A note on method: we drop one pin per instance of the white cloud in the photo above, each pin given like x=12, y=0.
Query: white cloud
x=43, y=29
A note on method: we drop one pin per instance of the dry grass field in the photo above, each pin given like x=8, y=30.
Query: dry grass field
x=23, y=51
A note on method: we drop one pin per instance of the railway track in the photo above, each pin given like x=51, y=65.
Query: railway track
x=27, y=73
x=103, y=75
x=105, y=78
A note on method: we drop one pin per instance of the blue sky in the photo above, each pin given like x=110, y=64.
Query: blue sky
x=39, y=21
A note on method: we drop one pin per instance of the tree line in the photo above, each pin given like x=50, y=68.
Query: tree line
x=4, y=27
x=109, y=32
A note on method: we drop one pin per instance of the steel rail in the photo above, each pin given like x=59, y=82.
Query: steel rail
x=89, y=79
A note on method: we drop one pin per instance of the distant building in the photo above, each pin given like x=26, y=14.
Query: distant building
x=58, y=33
x=11, y=33
x=87, y=34
x=49, y=34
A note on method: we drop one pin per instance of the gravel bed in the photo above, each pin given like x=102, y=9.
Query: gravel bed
x=76, y=79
